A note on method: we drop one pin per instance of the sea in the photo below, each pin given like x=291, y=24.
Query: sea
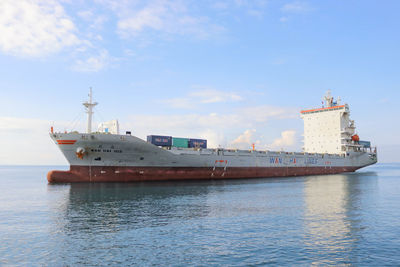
x=345, y=219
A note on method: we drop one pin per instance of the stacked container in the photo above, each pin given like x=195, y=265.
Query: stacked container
x=180, y=142
x=366, y=144
x=199, y=143
x=160, y=140
x=169, y=141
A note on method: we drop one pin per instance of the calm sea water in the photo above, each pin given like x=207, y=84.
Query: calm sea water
x=350, y=219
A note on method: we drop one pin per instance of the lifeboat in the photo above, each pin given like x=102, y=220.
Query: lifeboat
x=355, y=138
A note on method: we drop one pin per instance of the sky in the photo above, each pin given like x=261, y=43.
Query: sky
x=235, y=72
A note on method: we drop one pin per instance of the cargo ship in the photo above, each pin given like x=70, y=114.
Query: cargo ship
x=331, y=146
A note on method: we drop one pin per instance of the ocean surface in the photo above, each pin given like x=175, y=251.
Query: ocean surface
x=347, y=219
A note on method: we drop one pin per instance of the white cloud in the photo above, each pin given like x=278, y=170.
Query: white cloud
x=218, y=127
x=245, y=140
x=215, y=96
x=38, y=28
x=183, y=123
x=296, y=7
x=94, y=19
x=287, y=139
x=149, y=17
x=247, y=117
x=203, y=96
x=94, y=63
x=86, y=14
x=214, y=138
x=180, y=102
x=35, y=28
x=254, y=8
x=165, y=17
x=245, y=137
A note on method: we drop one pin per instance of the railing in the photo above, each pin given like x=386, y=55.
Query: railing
x=369, y=149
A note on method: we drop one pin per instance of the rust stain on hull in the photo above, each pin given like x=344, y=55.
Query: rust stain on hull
x=136, y=174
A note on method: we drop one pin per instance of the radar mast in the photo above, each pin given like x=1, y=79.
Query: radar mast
x=89, y=110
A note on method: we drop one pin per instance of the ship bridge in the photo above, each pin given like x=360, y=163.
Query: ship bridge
x=329, y=129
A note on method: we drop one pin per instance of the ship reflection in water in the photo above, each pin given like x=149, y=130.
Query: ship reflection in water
x=332, y=219
x=126, y=206
x=306, y=220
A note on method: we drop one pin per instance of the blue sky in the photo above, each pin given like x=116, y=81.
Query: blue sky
x=235, y=72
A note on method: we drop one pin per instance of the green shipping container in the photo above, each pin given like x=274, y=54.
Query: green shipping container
x=180, y=142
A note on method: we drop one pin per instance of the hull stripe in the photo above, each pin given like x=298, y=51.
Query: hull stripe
x=320, y=109
x=135, y=174
x=66, y=142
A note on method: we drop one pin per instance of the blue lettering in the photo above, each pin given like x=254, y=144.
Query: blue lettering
x=311, y=161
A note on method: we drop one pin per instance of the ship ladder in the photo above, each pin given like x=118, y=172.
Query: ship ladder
x=213, y=170
x=215, y=167
x=223, y=173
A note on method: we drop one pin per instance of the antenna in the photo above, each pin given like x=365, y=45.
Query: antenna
x=89, y=110
x=328, y=99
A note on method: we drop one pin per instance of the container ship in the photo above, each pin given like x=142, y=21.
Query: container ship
x=331, y=146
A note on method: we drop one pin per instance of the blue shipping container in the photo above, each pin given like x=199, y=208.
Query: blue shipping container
x=198, y=143
x=160, y=140
x=366, y=144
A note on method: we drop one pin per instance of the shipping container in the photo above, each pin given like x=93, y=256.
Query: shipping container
x=366, y=144
x=201, y=143
x=180, y=142
x=160, y=140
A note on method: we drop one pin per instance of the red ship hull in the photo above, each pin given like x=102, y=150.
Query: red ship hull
x=139, y=174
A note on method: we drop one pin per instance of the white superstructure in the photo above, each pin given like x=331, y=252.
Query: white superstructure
x=329, y=129
x=111, y=127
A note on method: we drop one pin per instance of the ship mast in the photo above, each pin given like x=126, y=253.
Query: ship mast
x=89, y=110
x=328, y=99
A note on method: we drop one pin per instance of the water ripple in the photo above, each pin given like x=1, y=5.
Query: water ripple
x=347, y=219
